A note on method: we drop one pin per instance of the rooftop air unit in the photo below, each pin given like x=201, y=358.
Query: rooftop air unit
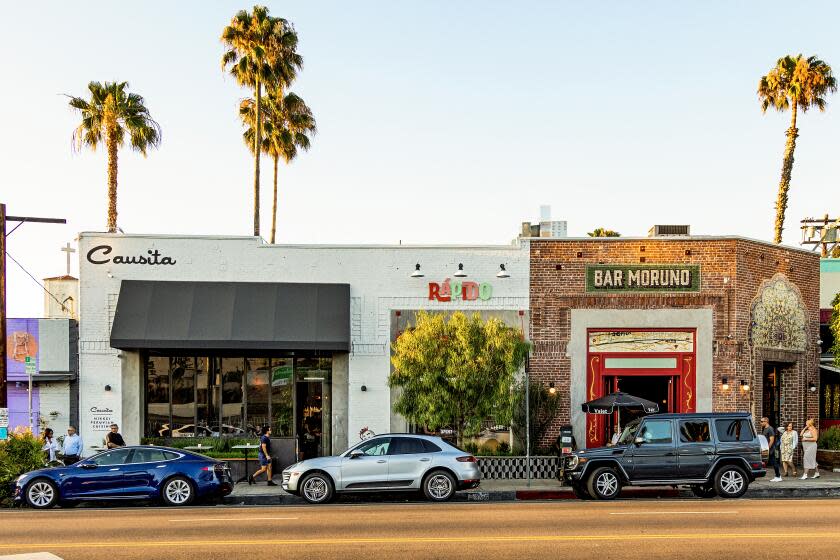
x=669, y=231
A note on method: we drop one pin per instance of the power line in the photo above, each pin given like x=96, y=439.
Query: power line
x=63, y=308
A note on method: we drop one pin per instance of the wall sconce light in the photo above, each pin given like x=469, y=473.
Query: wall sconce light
x=502, y=272
x=364, y=388
x=551, y=388
x=107, y=387
x=745, y=386
x=724, y=383
x=812, y=386
x=417, y=273
x=460, y=272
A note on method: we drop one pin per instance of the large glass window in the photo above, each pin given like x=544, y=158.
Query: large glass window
x=157, y=396
x=258, y=375
x=207, y=396
x=183, y=397
x=282, y=404
x=233, y=402
x=314, y=406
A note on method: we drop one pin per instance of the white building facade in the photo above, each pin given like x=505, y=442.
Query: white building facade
x=156, y=373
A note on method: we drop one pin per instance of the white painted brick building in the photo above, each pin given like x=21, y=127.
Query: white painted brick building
x=380, y=286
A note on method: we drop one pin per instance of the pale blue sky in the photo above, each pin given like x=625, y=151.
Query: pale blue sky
x=439, y=121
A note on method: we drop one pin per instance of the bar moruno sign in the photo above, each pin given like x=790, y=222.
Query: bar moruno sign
x=642, y=278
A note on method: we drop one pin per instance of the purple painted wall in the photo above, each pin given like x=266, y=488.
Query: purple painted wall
x=21, y=340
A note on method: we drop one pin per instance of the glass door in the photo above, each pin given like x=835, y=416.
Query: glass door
x=313, y=410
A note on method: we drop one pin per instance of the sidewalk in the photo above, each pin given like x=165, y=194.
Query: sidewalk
x=828, y=485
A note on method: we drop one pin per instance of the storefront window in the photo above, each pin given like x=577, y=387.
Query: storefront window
x=207, y=398
x=282, y=405
x=314, y=409
x=183, y=397
x=157, y=395
x=258, y=393
x=233, y=404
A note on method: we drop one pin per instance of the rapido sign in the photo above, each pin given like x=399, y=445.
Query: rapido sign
x=643, y=278
x=464, y=291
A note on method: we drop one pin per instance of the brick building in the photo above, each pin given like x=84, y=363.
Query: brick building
x=693, y=323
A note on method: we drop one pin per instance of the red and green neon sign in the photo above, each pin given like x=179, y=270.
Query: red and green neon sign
x=460, y=291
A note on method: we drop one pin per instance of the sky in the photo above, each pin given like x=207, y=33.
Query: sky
x=438, y=122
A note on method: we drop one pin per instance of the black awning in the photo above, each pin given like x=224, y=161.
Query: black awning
x=232, y=316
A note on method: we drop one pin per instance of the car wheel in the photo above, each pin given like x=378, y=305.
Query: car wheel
x=177, y=491
x=703, y=490
x=42, y=493
x=580, y=492
x=439, y=486
x=731, y=482
x=316, y=488
x=604, y=484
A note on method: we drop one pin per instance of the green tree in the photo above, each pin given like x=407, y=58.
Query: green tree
x=456, y=371
x=543, y=409
x=112, y=115
x=19, y=453
x=260, y=51
x=834, y=326
x=287, y=123
x=794, y=83
x=603, y=232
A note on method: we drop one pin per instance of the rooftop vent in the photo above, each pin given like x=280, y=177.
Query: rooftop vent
x=668, y=231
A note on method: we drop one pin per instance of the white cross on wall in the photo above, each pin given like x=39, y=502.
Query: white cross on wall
x=67, y=249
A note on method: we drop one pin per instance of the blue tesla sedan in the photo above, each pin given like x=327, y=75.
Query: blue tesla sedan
x=174, y=476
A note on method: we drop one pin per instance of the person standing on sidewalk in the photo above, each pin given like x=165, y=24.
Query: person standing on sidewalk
x=72, y=446
x=114, y=439
x=264, y=456
x=809, y=434
x=769, y=432
x=790, y=440
x=50, y=446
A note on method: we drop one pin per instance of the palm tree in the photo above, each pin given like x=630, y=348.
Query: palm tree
x=261, y=50
x=603, y=232
x=110, y=114
x=288, y=123
x=794, y=83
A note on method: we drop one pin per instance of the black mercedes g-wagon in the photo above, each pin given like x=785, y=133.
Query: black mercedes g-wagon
x=713, y=453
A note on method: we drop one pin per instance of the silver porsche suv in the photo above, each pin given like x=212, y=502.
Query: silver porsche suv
x=386, y=462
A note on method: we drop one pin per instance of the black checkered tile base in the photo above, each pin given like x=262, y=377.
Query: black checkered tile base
x=515, y=467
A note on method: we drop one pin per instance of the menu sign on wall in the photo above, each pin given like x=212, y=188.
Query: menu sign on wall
x=611, y=278
x=100, y=419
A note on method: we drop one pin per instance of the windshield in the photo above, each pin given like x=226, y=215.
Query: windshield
x=629, y=432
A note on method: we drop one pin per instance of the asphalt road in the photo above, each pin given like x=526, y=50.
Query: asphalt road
x=648, y=529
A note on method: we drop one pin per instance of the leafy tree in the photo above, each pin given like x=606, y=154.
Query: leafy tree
x=260, y=51
x=603, y=232
x=834, y=326
x=456, y=371
x=287, y=123
x=111, y=114
x=543, y=409
x=794, y=83
x=19, y=453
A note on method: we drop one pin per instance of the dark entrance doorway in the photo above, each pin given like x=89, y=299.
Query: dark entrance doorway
x=660, y=389
x=771, y=398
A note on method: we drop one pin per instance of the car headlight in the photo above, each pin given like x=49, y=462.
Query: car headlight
x=21, y=478
x=572, y=462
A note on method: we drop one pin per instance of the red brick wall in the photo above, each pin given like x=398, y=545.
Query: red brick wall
x=732, y=271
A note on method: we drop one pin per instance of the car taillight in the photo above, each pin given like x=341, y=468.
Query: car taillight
x=208, y=469
x=466, y=459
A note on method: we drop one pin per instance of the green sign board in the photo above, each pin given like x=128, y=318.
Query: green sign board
x=29, y=366
x=626, y=278
x=281, y=375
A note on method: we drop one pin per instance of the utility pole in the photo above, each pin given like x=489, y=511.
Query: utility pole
x=4, y=400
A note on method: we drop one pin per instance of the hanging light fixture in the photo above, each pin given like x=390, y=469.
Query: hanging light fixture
x=460, y=272
x=503, y=273
x=417, y=273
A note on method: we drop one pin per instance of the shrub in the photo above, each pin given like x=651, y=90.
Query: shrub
x=504, y=448
x=830, y=439
x=20, y=453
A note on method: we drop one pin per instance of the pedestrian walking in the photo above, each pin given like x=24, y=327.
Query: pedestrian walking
x=773, y=443
x=809, y=434
x=790, y=441
x=264, y=456
x=113, y=439
x=72, y=446
x=50, y=446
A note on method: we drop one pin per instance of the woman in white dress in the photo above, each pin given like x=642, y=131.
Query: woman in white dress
x=50, y=445
x=809, y=436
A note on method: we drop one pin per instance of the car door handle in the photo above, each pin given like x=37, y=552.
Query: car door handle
x=116, y=469
x=425, y=459
x=381, y=461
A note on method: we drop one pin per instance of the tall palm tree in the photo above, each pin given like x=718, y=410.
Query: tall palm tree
x=109, y=115
x=794, y=83
x=287, y=123
x=260, y=50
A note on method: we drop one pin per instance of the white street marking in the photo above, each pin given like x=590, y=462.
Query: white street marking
x=184, y=519
x=671, y=512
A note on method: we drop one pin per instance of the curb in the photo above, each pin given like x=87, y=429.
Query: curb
x=527, y=495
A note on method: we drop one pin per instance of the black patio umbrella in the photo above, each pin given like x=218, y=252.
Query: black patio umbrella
x=618, y=400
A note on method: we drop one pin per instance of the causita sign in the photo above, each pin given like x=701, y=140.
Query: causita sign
x=464, y=291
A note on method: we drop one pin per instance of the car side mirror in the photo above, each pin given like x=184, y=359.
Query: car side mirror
x=356, y=453
x=639, y=440
x=88, y=465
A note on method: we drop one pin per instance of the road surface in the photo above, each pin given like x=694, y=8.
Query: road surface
x=649, y=529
